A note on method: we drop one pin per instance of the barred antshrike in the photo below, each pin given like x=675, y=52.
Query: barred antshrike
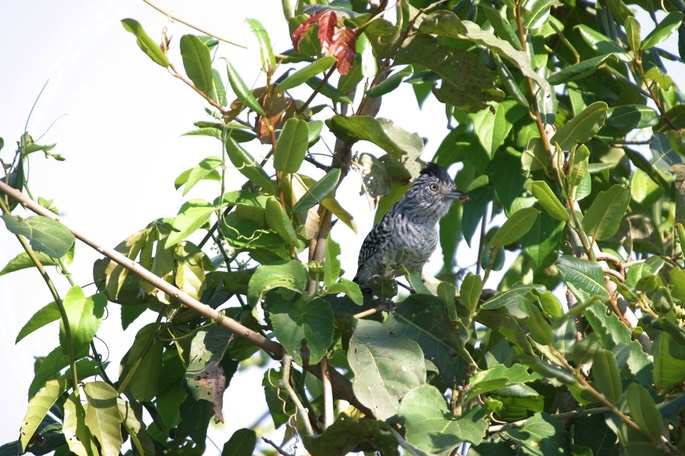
x=407, y=234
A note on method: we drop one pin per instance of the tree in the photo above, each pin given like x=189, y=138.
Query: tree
x=546, y=104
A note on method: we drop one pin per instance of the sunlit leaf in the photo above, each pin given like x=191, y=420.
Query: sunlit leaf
x=147, y=44
x=45, y=234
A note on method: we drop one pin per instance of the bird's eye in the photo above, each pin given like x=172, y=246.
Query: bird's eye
x=433, y=187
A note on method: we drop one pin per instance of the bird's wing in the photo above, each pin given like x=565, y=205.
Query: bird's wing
x=376, y=240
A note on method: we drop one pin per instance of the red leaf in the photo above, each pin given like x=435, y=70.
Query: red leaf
x=327, y=29
x=343, y=49
x=303, y=29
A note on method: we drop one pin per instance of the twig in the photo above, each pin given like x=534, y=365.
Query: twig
x=285, y=384
x=276, y=447
x=327, y=395
x=192, y=26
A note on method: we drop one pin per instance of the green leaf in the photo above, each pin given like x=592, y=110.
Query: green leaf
x=604, y=216
x=390, y=83
x=45, y=315
x=242, y=443
x=606, y=377
x=584, y=278
x=85, y=316
x=580, y=70
x=632, y=116
x=145, y=359
x=38, y=407
x=515, y=227
x=425, y=319
x=466, y=82
x=499, y=376
x=663, y=29
x=247, y=165
x=578, y=167
x=291, y=275
x=669, y=362
x=549, y=201
x=318, y=192
x=539, y=328
x=303, y=75
x=447, y=23
x=643, y=410
x=45, y=234
x=191, y=216
x=242, y=91
x=292, y=146
x=331, y=263
x=541, y=435
x=601, y=43
x=492, y=128
x=103, y=417
x=431, y=427
x=197, y=63
x=205, y=170
x=547, y=369
x=348, y=434
x=147, y=44
x=23, y=261
x=385, y=367
x=403, y=146
x=303, y=323
x=79, y=438
x=633, y=33
x=538, y=13
x=279, y=221
x=471, y=288
x=266, y=52
x=348, y=288
x=582, y=127
x=514, y=296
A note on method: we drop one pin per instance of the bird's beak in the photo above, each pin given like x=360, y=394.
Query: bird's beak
x=457, y=195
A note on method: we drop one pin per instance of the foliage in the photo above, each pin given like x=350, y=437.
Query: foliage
x=579, y=350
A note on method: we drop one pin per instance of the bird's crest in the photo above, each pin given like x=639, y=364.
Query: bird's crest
x=437, y=171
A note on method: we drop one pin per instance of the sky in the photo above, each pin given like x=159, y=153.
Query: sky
x=118, y=119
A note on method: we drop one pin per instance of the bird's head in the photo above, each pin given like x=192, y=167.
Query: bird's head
x=432, y=194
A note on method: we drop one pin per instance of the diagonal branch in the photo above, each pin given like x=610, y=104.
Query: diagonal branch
x=341, y=385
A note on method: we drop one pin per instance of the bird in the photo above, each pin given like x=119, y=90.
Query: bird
x=407, y=234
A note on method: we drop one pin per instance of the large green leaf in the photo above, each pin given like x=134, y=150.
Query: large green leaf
x=43, y=316
x=45, y=234
x=85, y=315
x=425, y=320
x=303, y=75
x=103, y=417
x=79, y=438
x=584, y=278
x=242, y=91
x=582, y=127
x=205, y=170
x=604, y=216
x=197, y=62
x=38, y=407
x=664, y=28
x=499, y=376
x=605, y=376
x=265, y=50
x=147, y=44
x=348, y=434
x=549, y=201
x=580, y=70
x=303, y=323
x=493, y=124
x=466, y=82
x=319, y=191
x=541, y=435
x=516, y=226
x=192, y=216
x=242, y=443
x=431, y=427
x=669, y=362
x=385, y=367
x=292, y=146
x=291, y=275
x=401, y=145
x=144, y=360
x=644, y=411
x=279, y=221
x=247, y=165
x=632, y=116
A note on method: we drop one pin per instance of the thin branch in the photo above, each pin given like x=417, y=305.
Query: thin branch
x=341, y=386
x=327, y=395
x=192, y=26
x=285, y=384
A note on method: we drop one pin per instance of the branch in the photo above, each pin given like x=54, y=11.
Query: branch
x=339, y=383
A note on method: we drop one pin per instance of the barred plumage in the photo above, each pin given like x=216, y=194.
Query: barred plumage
x=407, y=234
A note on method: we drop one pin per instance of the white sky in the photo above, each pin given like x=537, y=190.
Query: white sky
x=119, y=118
